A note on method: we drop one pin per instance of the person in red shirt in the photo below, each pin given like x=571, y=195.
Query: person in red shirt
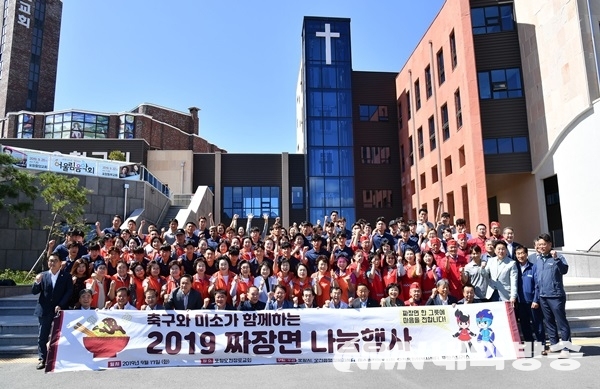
x=201, y=281
x=412, y=272
x=431, y=274
x=496, y=231
x=416, y=296
x=376, y=286
x=452, y=266
x=481, y=237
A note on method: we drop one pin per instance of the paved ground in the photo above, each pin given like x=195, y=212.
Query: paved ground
x=21, y=373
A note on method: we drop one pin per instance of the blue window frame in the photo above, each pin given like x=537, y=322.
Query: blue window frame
x=257, y=200
x=508, y=145
x=500, y=84
x=492, y=19
x=373, y=113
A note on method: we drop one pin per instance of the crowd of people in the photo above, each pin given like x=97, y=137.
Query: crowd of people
x=326, y=265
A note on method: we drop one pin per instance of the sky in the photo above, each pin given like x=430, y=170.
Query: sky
x=238, y=61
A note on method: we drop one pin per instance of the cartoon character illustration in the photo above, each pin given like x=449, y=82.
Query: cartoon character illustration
x=486, y=334
x=464, y=334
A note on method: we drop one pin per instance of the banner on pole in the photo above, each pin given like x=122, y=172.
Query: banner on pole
x=101, y=339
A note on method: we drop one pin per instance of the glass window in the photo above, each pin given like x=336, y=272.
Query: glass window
x=440, y=64
x=500, y=84
x=343, y=78
x=432, y=139
x=484, y=85
x=315, y=104
x=329, y=76
x=315, y=132
x=256, y=200
x=77, y=125
x=346, y=167
x=297, y=197
x=417, y=95
x=126, y=127
x=332, y=193
x=313, y=74
x=408, y=112
x=458, y=108
x=345, y=131
x=453, y=49
x=330, y=132
x=420, y=140
x=330, y=104
x=520, y=144
x=25, y=125
x=345, y=104
x=347, y=196
x=490, y=146
x=373, y=113
x=505, y=145
x=486, y=20
x=377, y=198
x=428, y=89
x=317, y=191
x=445, y=123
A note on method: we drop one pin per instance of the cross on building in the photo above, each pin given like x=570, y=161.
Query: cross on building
x=328, y=35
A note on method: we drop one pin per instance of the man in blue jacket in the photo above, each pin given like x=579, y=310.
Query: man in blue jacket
x=550, y=268
x=528, y=310
x=55, y=288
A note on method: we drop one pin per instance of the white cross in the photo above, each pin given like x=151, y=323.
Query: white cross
x=328, y=35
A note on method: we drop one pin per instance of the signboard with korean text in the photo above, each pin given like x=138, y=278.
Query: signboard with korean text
x=101, y=339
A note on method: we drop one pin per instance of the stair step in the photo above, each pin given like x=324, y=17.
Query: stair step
x=18, y=350
x=585, y=332
x=583, y=308
x=19, y=325
x=18, y=339
x=16, y=311
x=584, y=295
x=28, y=300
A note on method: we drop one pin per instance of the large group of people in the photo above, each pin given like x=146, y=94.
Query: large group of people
x=206, y=265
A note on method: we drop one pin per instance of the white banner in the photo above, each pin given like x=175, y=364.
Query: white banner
x=96, y=340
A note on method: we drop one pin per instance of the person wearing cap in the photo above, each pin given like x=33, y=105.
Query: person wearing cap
x=73, y=255
x=416, y=296
x=381, y=233
x=394, y=229
x=178, y=247
x=405, y=242
x=462, y=247
x=495, y=231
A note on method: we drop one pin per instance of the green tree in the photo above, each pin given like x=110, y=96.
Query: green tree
x=117, y=155
x=66, y=200
x=17, y=189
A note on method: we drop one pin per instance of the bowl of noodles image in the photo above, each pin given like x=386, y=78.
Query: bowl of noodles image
x=106, y=339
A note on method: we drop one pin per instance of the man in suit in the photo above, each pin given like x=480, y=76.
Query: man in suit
x=277, y=299
x=250, y=301
x=220, y=303
x=502, y=274
x=55, y=288
x=362, y=300
x=184, y=297
x=508, y=235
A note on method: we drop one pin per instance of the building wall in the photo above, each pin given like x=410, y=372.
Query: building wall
x=17, y=55
x=174, y=168
x=20, y=247
x=465, y=187
x=376, y=89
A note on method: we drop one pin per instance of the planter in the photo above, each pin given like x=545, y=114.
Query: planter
x=10, y=291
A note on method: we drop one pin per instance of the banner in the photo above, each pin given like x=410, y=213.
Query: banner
x=102, y=339
x=61, y=163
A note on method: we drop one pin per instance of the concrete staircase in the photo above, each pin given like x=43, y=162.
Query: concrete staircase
x=583, y=306
x=172, y=214
x=18, y=326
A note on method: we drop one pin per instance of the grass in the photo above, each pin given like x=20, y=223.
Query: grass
x=18, y=276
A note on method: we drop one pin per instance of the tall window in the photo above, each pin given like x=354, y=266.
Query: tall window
x=25, y=126
x=492, y=19
x=420, y=140
x=402, y=161
x=457, y=106
x=373, y=113
x=500, y=84
x=377, y=198
x=417, y=95
x=127, y=127
x=375, y=155
x=445, y=124
x=428, y=90
x=76, y=125
x=440, y=67
x=400, y=119
x=408, y=112
x=432, y=140
x=411, y=151
x=297, y=197
x=453, y=49
x=258, y=200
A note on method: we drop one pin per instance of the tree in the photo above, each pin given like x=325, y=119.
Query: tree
x=66, y=200
x=17, y=189
x=117, y=155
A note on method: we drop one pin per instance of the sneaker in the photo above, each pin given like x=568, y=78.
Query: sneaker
x=554, y=348
x=41, y=365
x=564, y=354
